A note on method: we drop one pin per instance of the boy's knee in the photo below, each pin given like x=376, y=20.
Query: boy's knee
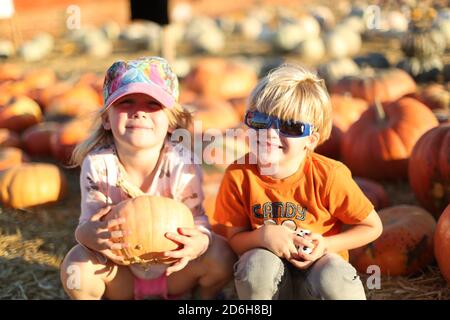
x=258, y=273
x=333, y=278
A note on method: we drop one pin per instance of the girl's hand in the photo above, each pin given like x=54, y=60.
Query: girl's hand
x=96, y=235
x=279, y=240
x=315, y=241
x=194, y=242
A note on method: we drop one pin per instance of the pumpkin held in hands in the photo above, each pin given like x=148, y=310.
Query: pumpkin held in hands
x=149, y=218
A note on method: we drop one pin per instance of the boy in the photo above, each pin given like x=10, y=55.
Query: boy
x=266, y=211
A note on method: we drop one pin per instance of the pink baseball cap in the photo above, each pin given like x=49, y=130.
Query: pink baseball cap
x=148, y=75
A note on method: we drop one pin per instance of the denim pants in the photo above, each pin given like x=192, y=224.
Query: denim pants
x=259, y=274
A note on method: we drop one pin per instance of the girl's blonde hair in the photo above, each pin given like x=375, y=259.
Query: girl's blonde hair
x=291, y=92
x=178, y=117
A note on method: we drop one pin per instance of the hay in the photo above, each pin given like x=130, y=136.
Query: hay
x=428, y=285
x=33, y=244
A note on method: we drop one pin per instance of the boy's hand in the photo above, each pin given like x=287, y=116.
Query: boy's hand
x=279, y=240
x=96, y=235
x=194, y=242
x=319, y=245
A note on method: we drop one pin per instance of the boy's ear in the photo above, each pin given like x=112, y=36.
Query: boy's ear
x=313, y=140
x=105, y=122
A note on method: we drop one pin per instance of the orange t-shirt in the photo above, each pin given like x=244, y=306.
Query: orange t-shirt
x=321, y=196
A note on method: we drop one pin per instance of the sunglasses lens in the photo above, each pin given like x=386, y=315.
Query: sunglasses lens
x=292, y=129
x=257, y=120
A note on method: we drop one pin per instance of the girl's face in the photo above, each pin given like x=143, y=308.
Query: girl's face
x=137, y=120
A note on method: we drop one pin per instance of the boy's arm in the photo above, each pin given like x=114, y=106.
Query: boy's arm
x=242, y=239
x=356, y=235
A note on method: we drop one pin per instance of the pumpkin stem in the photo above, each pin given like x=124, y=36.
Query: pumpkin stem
x=379, y=110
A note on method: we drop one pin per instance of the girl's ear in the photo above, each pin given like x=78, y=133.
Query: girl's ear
x=105, y=122
x=312, y=141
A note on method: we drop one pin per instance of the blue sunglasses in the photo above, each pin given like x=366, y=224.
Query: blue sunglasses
x=292, y=129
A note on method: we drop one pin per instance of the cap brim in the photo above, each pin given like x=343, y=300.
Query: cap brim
x=146, y=88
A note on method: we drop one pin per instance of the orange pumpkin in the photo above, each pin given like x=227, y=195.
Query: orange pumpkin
x=149, y=218
x=36, y=139
x=385, y=85
x=436, y=97
x=32, y=184
x=10, y=157
x=219, y=78
x=19, y=113
x=374, y=192
x=214, y=114
x=40, y=78
x=346, y=110
x=9, y=138
x=429, y=169
x=379, y=144
x=65, y=139
x=43, y=96
x=9, y=71
x=78, y=101
x=442, y=243
x=331, y=147
x=405, y=246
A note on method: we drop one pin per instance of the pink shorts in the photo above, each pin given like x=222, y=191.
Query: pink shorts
x=152, y=288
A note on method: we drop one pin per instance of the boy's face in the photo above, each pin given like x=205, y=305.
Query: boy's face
x=137, y=120
x=276, y=151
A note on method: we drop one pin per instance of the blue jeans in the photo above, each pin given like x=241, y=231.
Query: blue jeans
x=259, y=274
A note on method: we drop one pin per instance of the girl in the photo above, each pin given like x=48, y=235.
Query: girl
x=129, y=153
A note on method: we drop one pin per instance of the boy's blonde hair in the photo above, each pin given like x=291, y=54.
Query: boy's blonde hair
x=291, y=92
x=178, y=117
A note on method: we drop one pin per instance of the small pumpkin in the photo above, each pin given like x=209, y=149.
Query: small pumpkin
x=213, y=113
x=19, y=113
x=9, y=138
x=67, y=136
x=32, y=184
x=379, y=144
x=219, y=78
x=10, y=71
x=78, y=101
x=429, y=169
x=405, y=246
x=374, y=192
x=437, y=98
x=10, y=157
x=442, y=244
x=36, y=139
x=386, y=85
x=149, y=218
x=40, y=78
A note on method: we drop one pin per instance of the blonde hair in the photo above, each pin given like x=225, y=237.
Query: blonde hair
x=178, y=117
x=291, y=92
